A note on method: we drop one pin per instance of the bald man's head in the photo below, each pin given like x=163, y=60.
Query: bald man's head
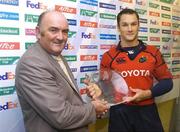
x=52, y=31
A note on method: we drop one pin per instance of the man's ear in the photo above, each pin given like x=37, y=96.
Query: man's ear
x=118, y=29
x=38, y=34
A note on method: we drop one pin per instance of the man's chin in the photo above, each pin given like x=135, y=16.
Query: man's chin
x=131, y=38
x=56, y=53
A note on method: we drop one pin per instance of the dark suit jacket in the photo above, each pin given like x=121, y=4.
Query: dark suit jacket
x=49, y=102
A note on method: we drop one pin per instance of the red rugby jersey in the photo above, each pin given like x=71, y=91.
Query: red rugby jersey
x=139, y=72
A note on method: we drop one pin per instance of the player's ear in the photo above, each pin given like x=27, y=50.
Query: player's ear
x=118, y=29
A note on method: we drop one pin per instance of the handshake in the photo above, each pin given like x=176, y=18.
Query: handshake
x=101, y=106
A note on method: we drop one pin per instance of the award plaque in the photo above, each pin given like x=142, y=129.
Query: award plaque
x=112, y=85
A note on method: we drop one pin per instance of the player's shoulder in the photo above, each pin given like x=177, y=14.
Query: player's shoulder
x=151, y=48
x=113, y=50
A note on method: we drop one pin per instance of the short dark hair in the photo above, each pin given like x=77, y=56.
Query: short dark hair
x=126, y=11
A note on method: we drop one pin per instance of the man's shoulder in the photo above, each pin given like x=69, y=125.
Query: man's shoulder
x=151, y=48
x=33, y=54
x=35, y=51
x=113, y=50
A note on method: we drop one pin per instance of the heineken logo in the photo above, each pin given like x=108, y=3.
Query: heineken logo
x=166, y=55
x=154, y=30
x=89, y=13
x=31, y=18
x=28, y=44
x=166, y=8
x=143, y=38
x=9, y=60
x=71, y=34
x=153, y=5
x=141, y=11
x=107, y=16
x=7, y=90
x=175, y=25
x=70, y=57
x=175, y=69
x=9, y=30
x=166, y=16
x=166, y=39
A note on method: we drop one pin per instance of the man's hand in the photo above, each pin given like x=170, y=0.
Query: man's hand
x=101, y=107
x=139, y=95
x=92, y=89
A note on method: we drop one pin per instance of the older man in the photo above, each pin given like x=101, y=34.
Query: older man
x=47, y=92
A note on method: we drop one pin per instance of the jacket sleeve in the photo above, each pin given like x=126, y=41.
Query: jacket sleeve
x=52, y=99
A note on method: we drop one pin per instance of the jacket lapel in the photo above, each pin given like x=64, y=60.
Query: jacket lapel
x=56, y=65
x=60, y=70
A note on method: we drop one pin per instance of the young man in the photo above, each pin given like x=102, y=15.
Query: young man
x=46, y=88
x=139, y=64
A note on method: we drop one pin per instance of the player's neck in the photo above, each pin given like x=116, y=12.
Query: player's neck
x=129, y=43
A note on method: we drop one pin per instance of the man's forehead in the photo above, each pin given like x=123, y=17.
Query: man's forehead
x=54, y=13
x=54, y=18
x=128, y=17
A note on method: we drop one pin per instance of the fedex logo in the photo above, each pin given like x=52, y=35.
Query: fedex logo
x=88, y=36
x=68, y=46
x=7, y=76
x=73, y=69
x=154, y=22
x=166, y=47
x=100, y=57
x=141, y=2
x=35, y=5
x=8, y=105
x=122, y=7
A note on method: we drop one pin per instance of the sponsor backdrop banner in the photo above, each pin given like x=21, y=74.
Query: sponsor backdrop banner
x=93, y=31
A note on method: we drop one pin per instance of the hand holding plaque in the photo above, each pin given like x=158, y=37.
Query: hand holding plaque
x=109, y=85
x=92, y=89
